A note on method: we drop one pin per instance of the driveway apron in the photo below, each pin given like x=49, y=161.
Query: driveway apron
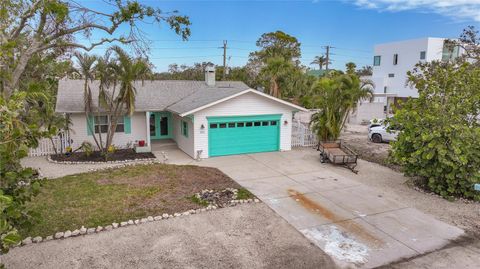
x=357, y=225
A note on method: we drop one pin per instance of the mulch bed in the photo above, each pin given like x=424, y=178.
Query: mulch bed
x=96, y=156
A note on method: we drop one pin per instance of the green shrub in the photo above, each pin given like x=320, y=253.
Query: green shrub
x=87, y=148
x=439, y=140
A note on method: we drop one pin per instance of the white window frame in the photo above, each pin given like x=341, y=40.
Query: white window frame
x=120, y=128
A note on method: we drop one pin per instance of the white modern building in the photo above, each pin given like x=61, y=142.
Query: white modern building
x=391, y=62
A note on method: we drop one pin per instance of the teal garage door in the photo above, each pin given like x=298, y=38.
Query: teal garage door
x=238, y=135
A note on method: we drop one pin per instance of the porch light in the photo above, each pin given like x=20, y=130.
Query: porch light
x=285, y=122
x=202, y=127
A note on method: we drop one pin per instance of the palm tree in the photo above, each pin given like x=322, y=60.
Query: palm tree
x=320, y=60
x=86, y=69
x=350, y=67
x=336, y=97
x=126, y=71
x=366, y=70
x=275, y=68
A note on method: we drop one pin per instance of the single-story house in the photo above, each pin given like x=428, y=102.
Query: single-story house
x=205, y=118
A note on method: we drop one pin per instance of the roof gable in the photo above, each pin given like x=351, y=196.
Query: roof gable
x=257, y=93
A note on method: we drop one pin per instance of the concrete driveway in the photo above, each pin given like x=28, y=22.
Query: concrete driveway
x=355, y=224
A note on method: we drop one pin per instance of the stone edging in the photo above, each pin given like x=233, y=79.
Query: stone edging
x=142, y=160
x=83, y=231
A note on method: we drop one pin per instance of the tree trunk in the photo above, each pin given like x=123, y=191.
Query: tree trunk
x=12, y=83
x=53, y=145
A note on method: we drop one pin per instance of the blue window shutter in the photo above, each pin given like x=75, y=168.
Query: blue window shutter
x=127, y=124
x=90, y=124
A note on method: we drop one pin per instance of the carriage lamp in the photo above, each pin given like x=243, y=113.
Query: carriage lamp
x=285, y=122
x=202, y=127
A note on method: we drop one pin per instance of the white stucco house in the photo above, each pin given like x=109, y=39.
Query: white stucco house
x=204, y=118
x=391, y=62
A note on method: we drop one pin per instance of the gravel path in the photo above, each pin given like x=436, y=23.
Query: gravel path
x=246, y=236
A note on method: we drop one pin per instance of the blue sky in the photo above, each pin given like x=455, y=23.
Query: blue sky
x=352, y=27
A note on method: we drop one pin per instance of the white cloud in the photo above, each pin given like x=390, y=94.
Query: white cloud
x=465, y=10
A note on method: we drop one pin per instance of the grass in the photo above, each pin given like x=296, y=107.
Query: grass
x=244, y=194
x=115, y=195
x=198, y=201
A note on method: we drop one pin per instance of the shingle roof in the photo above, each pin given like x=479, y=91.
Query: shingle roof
x=178, y=96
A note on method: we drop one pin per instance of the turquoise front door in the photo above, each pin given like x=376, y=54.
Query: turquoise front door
x=245, y=134
x=160, y=125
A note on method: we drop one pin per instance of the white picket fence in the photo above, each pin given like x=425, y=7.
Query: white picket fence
x=302, y=136
x=45, y=146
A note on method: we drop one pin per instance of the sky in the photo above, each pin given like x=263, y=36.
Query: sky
x=352, y=27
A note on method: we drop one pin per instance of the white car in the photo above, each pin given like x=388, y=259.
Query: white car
x=379, y=134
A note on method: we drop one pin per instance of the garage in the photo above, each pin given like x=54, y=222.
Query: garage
x=243, y=134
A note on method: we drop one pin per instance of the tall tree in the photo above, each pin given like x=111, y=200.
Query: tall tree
x=336, y=97
x=34, y=26
x=350, y=67
x=126, y=71
x=320, y=61
x=86, y=70
x=277, y=44
x=275, y=68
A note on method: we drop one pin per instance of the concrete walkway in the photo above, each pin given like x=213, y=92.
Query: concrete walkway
x=353, y=223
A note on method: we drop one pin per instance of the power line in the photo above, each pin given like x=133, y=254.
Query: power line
x=178, y=57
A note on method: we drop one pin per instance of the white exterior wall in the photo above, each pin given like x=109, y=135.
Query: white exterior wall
x=138, y=131
x=183, y=143
x=408, y=55
x=367, y=111
x=248, y=104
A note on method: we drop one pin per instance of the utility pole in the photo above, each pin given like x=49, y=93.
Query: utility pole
x=224, y=59
x=328, y=57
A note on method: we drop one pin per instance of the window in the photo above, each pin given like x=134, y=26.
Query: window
x=257, y=123
x=264, y=123
x=103, y=122
x=120, y=125
x=449, y=53
x=273, y=123
x=395, y=59
x=249, y=124
x=231, y=125
x=240, y=124
x=376, y=60
x=222, y=125
x=185, y=128
x=213, y=125
x=423, y=55
x=391, y=75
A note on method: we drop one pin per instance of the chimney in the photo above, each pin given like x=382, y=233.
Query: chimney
x=210, y=75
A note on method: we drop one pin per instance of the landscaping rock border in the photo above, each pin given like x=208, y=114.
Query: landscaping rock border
x=49, y=159
x=126, y=165
x=92, y=230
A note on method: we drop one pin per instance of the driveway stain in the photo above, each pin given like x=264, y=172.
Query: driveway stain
x=347, y=226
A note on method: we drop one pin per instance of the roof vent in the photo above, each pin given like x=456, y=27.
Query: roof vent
x=210, y=75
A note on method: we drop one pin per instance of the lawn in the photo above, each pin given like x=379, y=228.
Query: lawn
x=115, y=195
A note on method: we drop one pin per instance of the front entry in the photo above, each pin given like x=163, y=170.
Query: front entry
x=160, y=125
